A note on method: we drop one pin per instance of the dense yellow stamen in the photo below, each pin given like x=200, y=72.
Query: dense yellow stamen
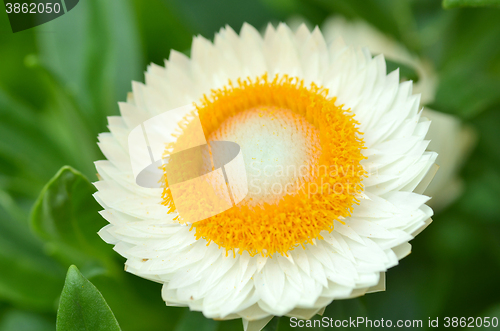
x=326, y=193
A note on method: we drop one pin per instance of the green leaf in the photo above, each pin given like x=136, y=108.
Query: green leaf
x=468, y=64
x=28, y=277
x=82, y=307
x=25, y=165
x=469, y=3
x=90, y=55
x=94, y=50
x=15, y=77
x=28, y=280
x=66, y=215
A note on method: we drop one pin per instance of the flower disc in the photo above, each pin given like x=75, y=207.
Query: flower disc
x=302, y=155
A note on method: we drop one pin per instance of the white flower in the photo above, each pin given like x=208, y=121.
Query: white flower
x=301, y=250
x=451, y=139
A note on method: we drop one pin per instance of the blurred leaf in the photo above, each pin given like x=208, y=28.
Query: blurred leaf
x=65, y=120
x=286, y=9
x=90, y=56
x=25, y=165
x=82, y=307
x=66, y=215
x=487, y=153
x=17, y=80
x=372, y=11
x=196, y=321
x=95, y=51
x=28, y=278
x=480, y=196
x=467, y=94
x=405, y=72
x=469, y=3
x=158, y=21
x=18, y=320
x=208, y=16
x=464, y=250
x=469, y=81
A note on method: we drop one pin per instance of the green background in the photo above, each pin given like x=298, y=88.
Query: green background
x=59, y=81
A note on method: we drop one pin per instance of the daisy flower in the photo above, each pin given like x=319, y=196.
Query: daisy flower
x=335, y=155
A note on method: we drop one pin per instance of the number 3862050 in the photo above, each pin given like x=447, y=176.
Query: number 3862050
x=32, y=8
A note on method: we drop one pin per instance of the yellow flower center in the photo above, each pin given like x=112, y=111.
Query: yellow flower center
x=302, y=156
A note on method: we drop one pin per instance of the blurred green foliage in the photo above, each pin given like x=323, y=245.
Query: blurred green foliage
x=469, y=3
x=59, y=81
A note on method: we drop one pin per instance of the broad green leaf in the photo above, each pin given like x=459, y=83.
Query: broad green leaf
x=82, y=307
x=66, y=215
x=19, y=320
x=469, y=3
